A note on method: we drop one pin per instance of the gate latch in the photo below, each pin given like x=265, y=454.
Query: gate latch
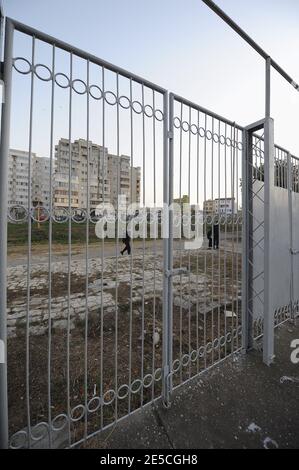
x=176, y=272
x=294, y=252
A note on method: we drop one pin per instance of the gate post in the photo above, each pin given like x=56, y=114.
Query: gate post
x=269, y=152
x=268, y=338
x=165, y=234
x=4, y=152
x=247, y=321
x=290, y=204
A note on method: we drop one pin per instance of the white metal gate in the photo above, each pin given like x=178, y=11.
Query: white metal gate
x=92, y=336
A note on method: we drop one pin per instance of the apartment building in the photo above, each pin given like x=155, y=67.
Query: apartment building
x=221, y=206
x=120, y=175
x=91, y=186
x=93, y=183
x=18, y=179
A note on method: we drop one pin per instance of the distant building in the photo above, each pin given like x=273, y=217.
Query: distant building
x=106, y=177
x=18, y=178
x=120, y=175
x=222, y=206
x=95, y=185
x=184, y=200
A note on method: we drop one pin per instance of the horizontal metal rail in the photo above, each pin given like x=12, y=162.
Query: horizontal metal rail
x=206, y=111
x=250, y=41
x=22, y=28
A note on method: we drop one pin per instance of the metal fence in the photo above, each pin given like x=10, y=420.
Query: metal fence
x=93, y=336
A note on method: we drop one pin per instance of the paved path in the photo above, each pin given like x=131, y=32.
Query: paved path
x=18, y=255
x=239, y=404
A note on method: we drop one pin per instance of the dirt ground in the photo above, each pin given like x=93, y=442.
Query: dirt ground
x=122, y=343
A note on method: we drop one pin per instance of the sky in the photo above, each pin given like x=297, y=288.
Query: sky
x=184, y=47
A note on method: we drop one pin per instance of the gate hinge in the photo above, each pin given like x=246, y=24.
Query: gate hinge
x=1, y=70
x=294, y=252
x=176, y=272
x=170, y=135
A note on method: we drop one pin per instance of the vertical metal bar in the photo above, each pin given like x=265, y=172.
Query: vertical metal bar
x=268, y=88
x=132, y=244
x=155, y=246
x=102, y=254
x=69, y=253
x=269, y=150
x=143, y=245
x=29, y=246
x=87, y=255
x=50, y=247
x=4, y=151
x=117, y=248
x=167, y=347
x=189, y=252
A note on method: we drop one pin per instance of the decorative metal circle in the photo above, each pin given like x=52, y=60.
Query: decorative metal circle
x=209, y=348
x=222, y=220
x=60, y=215
x=81, y=84
x=148, y=110
x=138, y=388
x=194, y=129
x=201, y=351
x=216, y=343
x=185, y=126
x=137, y=107
x=222, y=341
x=109, y=397
x=176, y=366
x=79, y=216
x=41, y=77
x=229, y=338
x=209, y=135
x=92, y=93
x=177, y=123
x=124, y=102
x=202, y=132
x=240, y=145
x=209, y=219
x=158, y=375
x=235, y=334
x=19, y=440
x=94, y=218
x=229, y=219
x=64, y=77
x=17, y=214
x=40, y=214
x=216, y=138
x=147, y=380
x=94, y=404
x=185, y=360
x=110, y=98
x=80, y=409
x=240, y=219
x=222, y=140
x=159, y=115
x=194, y=356
x=39, y=431
x=121, y=396
x=21, y=59
x=228, y=142
x=62, y=417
